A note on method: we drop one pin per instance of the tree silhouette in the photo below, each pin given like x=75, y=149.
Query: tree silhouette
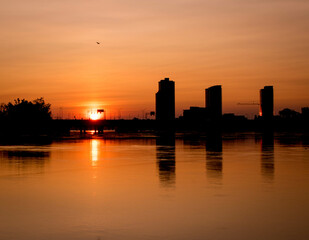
x=25, y=117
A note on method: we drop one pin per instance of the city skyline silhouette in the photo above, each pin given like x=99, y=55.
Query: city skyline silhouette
x=150, y=120
x=49, y=51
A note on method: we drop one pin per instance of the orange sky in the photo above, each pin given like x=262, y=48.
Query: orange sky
x=48, y=49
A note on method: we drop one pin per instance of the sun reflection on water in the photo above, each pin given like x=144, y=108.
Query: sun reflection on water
x=94, y=151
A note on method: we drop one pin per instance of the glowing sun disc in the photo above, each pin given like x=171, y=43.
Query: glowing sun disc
x=94, y=116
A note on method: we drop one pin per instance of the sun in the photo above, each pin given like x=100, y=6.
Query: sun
x=94, y=116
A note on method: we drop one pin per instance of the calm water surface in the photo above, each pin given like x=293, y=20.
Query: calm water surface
x=249, y=187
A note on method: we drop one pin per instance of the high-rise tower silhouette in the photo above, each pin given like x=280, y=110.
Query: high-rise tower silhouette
x=214, y=102
x=267, y=102
x=165, y=100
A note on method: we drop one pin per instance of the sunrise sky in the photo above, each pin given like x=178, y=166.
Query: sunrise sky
x=48, y=49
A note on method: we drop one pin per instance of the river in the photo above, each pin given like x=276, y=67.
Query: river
x=244, y=186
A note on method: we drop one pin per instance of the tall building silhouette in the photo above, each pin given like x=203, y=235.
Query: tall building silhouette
x=165, y=100
x=267, y=102
x=214, y=102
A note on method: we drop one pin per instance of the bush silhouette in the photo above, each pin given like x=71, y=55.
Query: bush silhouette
x=23, y=116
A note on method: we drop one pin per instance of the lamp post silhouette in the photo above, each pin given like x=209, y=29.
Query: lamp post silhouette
x=102, y=111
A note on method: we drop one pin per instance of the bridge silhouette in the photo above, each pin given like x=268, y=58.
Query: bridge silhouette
x=98, y=126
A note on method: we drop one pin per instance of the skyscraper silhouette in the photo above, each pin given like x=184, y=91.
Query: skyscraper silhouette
x=267, y=102
x=165, y=100
x=214, y=102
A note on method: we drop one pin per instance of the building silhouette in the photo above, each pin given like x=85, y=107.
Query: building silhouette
x=213, y=99
x=165, y=100
x=212, y=111
x=195, y=114
x=267, y=102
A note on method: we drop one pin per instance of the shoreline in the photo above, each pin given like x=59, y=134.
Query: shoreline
x=154, y=135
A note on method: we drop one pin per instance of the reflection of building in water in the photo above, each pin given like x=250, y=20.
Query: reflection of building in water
x=214, y=157
x=267, y=156
x=166, y=159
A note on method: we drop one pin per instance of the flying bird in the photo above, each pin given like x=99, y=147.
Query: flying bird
x=98, y=42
